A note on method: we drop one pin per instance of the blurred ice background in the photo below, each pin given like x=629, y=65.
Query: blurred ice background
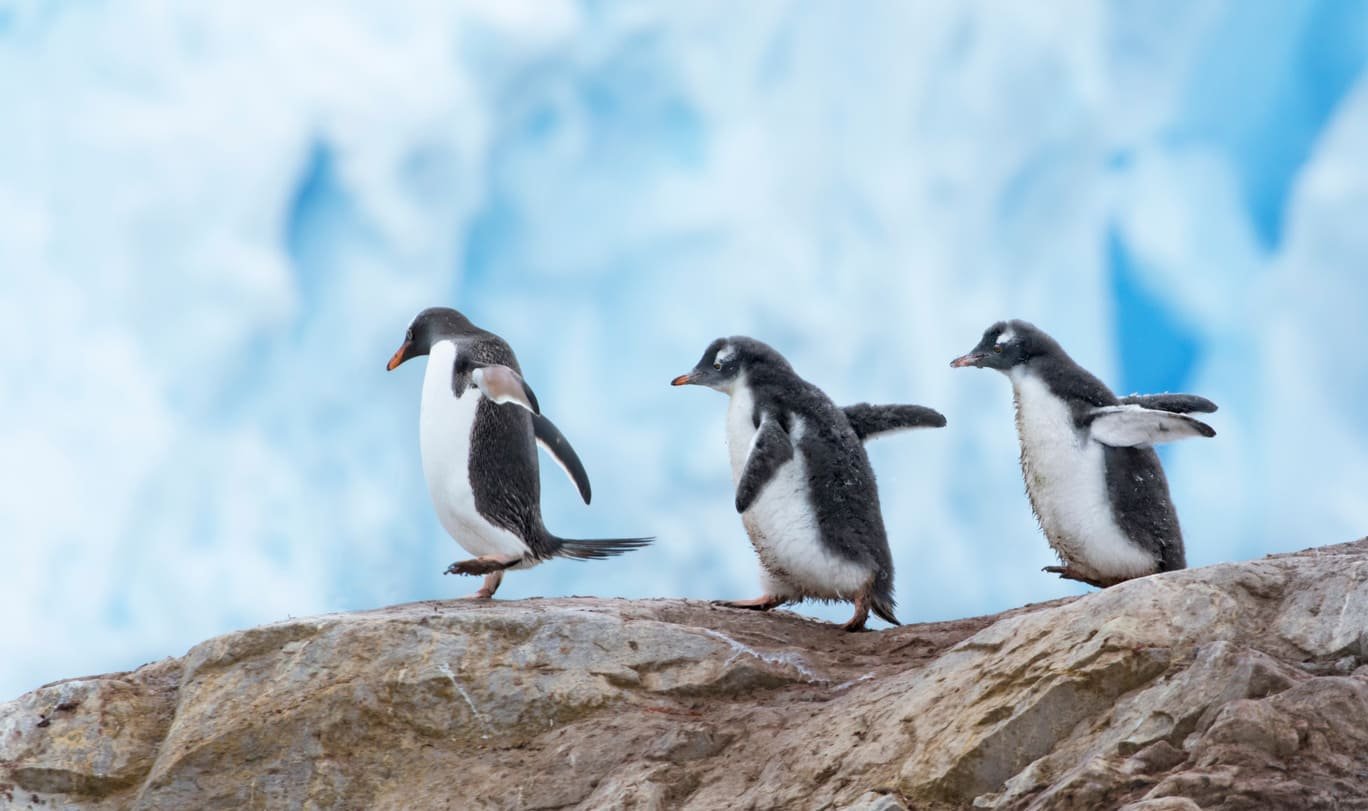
x=216, y=220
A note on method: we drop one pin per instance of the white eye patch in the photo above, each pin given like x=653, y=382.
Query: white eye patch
x=1007, y=336
x=724, y=354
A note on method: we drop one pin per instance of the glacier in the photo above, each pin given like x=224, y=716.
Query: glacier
x=217, y=219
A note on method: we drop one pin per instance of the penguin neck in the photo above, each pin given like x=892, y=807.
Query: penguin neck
x=441, y=364
x=1026, y=378
x=1062, y=378
x=740, y=423
x=737, y=385
x=1040, y=412
x=1019, y=375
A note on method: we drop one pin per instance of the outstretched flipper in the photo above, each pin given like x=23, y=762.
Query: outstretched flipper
x=1176, y=403
x=770, y=449
x=503, y=385
x=872, y=420
x=555, y=443
x=1128, y=426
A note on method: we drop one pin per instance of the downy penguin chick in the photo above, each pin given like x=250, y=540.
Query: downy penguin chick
x=1093, y=479
x=804, y=487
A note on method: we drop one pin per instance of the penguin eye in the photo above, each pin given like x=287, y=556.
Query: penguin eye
x=717, y=364
x=997, y=348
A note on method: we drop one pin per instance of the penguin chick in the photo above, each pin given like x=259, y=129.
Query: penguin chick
x=1093, y=479
x=804, y=487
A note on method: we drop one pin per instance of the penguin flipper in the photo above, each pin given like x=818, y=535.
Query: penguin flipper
x=1177, y=403
x=872, y=420
x=555, y=444
x=770, y=449
x=503, y=385
x=1128, y=426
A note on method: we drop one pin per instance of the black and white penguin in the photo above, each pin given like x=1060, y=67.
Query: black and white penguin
x=1093, y=479
x=804, y=487
x=479, y=427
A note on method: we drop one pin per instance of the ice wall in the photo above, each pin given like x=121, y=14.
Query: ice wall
x=216, y=220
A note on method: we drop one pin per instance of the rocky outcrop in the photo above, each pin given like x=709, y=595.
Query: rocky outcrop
x=1234, y=686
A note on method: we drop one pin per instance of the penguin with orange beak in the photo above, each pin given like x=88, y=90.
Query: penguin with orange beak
x=804, y=486
x=479, y=427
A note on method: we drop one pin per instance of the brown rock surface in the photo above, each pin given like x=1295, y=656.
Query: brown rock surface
x=1234, y=686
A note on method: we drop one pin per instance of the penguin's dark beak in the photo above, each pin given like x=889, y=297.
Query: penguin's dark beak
x=400, y=355
x=971, y=359
x=683, y=380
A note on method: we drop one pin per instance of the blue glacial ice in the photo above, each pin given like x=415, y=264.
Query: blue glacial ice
x=216, y=220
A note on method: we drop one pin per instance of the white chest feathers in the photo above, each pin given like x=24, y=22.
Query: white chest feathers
x=445, y=423
x=781, y=522
x=1066, y=479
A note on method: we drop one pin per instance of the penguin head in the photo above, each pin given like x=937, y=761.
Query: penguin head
x=1005, y=345
x=725, y=360
x=429, y=327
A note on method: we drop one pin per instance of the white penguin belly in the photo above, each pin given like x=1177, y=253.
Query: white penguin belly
x=781, y=522
x=444, y=427
x=1066, y=479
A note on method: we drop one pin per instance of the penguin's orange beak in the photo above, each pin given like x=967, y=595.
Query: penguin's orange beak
x=400, y=355
x=682, y=380
x=971, y=359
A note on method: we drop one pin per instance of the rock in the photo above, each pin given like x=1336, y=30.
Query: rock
x=875, y=801
x=1234, y=686
x=1163, y=804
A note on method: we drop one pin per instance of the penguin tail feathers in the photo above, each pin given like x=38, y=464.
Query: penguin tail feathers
x=881, y=600
x=598, y=549
x=882, y=606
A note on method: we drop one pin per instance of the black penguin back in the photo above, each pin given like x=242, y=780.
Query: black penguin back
x=841, y=488
x=1136, y=487
x=503, y=465
x=1142, y=506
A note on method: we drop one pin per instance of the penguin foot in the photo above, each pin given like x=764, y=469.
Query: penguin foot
x=1069, y=573
x=857, y=622
x=764, y=603
x=487, y=564
x=487, y=589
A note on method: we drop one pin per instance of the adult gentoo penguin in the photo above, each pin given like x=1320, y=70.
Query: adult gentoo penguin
x=804, y=487
x=1094, y=482
x=478, y=428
